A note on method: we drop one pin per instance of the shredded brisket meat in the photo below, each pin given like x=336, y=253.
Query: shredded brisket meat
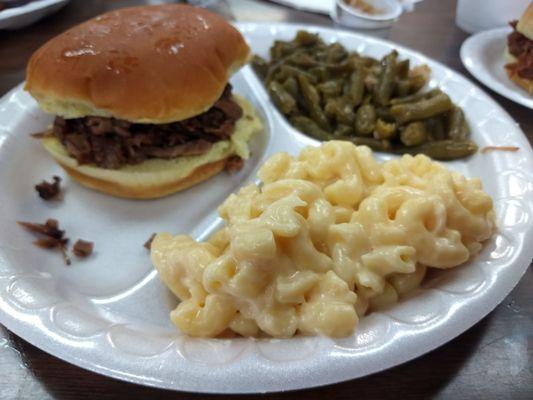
x=522, y=48
x=111, y=143
x=51, y=237
x=234, y=164
x=82, y=248
x=50, y=228
x=49, y=190
x=148, y=243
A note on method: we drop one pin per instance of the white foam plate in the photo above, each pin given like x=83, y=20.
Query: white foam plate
x=109, y=313
x=19, y=17
x=482, y=56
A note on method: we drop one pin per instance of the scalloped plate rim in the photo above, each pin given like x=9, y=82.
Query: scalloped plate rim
x=459, y=324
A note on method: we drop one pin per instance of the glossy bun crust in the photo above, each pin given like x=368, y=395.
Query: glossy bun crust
x=148, y=64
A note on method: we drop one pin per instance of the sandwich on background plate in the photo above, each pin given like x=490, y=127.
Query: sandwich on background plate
x=519, y=51
x=142, y=101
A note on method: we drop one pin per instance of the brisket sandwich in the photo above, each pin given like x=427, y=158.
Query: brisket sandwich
x=141, y=99
x=519, y=51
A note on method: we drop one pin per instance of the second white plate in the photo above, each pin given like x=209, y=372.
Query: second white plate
x=482, y=56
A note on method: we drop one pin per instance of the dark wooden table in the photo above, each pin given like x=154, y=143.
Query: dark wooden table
x=492, y=360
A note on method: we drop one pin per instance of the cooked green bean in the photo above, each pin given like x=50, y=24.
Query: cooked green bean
x=365, y=120
x=320, y=54
x=307, y=125
x=384, y=130
x=346, y=114
x=356, y=60
x=369, y=61
x=385, y=85
x=409, y=86
x=367, y=99
x=312, y=101
x=345, y=67
x=435, y=128
x=417, y=82
x=271, y=72
x=281, y=49
x=328, y=92
x=385, y=114
x=402, y=88
x=374, y=144
x=356, y=86
x=457, y=126
x=331, y=107
x=330, y=89
x=336, y=53
x=343, y=130
x=402, y=69
x=287, y=71
x=304, y=38
x=371, y=81
x=414, y=134
x=415, y=97
x=282, y=99
x=320, y=73
x=422, y=109
x=341, y=110
x=301, y=60
x=442, y=149
x=291, y=86
x=260, y=66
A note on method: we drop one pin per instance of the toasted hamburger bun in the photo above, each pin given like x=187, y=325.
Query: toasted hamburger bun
x=508, y=57
x=525, y=27
x=527, y=84
x=148, y=64
x=155, y=177
x=152, y=65
x=145, y=188
x=525, y=23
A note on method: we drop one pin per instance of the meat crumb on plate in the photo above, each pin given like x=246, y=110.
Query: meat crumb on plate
x=49, y=190
x=234, y=164
x=148, y=243
x=51, y=236
x=83, y=248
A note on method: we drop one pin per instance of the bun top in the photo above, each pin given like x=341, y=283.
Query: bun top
x=148, y=64
x=525, y=23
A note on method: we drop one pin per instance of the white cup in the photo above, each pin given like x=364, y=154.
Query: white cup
x=479, y=15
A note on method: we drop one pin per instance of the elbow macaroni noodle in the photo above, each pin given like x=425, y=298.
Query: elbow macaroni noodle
x=329, y=236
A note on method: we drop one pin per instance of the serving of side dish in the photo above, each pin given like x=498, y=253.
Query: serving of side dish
x=109, y=313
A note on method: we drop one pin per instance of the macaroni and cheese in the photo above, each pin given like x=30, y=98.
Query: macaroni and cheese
x=329, y=235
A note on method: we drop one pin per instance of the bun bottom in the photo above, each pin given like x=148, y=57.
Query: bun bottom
x=147, y=190
x=527, y=84
x=148, y=180
x=510, y=61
